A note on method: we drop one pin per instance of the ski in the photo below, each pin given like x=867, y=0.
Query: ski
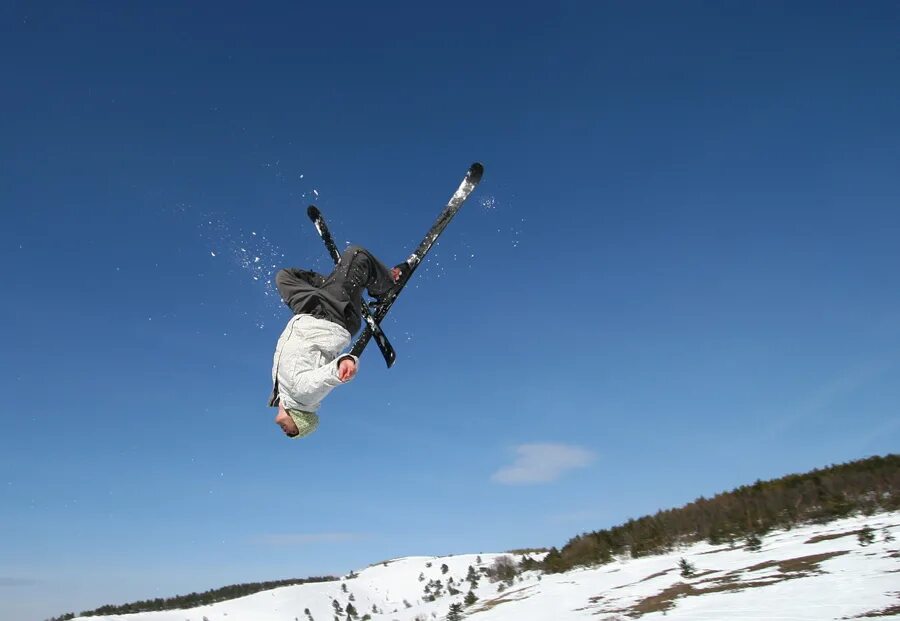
x=469, y=183
x=387, y=350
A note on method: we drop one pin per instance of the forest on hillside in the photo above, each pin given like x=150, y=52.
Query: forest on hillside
x=192, y=600
x=743, y=514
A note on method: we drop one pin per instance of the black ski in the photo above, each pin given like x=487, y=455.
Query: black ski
x=473, y=177
x=384, y=345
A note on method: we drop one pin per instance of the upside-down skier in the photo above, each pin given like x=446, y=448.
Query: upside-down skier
x=308, y=361
x=328, y=310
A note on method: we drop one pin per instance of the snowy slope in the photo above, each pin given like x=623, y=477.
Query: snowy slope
x=815, y=573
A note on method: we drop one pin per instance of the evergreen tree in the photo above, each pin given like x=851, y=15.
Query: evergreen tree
x=554, y=563
x=472, y=577
x=866, y=536
x=687, y=569
x=444, y=568
x=753, y=543
x=470, y=598
x=351, y=611
x=455, y=613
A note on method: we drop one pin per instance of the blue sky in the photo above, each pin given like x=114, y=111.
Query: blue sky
x=679, y=275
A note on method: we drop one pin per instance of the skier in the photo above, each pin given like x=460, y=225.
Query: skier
x=308, y=364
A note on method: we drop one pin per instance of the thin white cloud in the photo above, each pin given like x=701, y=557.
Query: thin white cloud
x=12, y=581
x=542, y=463
x=299, y=539
x=819, y=402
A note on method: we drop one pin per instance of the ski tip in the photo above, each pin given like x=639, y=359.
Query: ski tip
x=313, y=212
x=475, y=172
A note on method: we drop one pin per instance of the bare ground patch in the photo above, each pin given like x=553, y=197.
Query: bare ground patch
x=730, y=549
x=650, y=577
x=818, y=538
x=665, y=600
x=806, y=565
x=507, y=596
x=884, y=612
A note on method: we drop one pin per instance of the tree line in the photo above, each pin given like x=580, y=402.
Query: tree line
x=193, y=600
x=822, y=495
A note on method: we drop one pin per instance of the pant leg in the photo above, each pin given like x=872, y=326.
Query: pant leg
x=297, y=287
x=358, y=270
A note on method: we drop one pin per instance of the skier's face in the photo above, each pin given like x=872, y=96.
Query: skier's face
x=287, y=424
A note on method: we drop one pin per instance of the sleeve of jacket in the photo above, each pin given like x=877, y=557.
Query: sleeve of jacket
x=315, y=384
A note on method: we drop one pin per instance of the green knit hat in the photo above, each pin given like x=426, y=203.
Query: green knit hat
x=306, y=422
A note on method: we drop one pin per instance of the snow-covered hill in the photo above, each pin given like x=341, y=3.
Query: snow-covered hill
x=815, y=573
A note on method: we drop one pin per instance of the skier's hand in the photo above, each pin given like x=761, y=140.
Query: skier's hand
x=346, y=369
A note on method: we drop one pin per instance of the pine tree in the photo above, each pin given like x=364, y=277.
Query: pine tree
x=470, y=598
x=351, y=611
x=444, y=568
x=687, y=569
x=455, y=613
x=866, y=536
x=753, y=543
x=553, y=562
x=472, y=577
